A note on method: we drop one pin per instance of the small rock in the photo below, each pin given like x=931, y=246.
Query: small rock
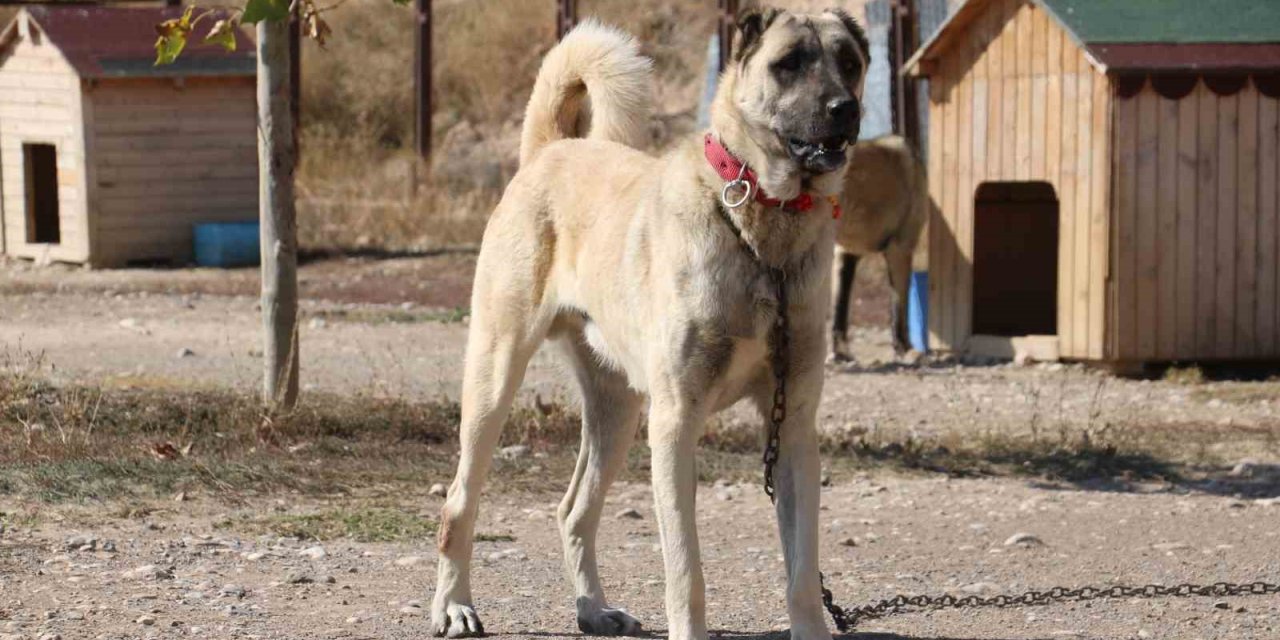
x=255, y=556
x=1222, y=604
x=411, y=611
x=73, y=615
x=232, y=591
x=1245, y=468
x=185, y=353
x=81, y=543
x=980, y=587
x=315, y=553
x=354, y=620
x=1170, y=546
x=438, y=490
x=1023, y=540
x=50, y=636
x=628, y=514
x=514, y=452
x=148, y=572
x=146, y=621
x=298, y=578
x=1143, y=633
x=410, y=561
x=849, y=542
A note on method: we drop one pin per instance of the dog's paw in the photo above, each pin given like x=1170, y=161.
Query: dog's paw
x=839, y=358
x=457, y=621
x=609, y=622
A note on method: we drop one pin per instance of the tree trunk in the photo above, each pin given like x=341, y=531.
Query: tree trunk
x=276, y=158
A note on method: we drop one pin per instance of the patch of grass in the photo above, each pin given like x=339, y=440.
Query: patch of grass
x=494, y=537
x=69, y=443
x=1191, y=375
x=375, y=316
x=370, y=524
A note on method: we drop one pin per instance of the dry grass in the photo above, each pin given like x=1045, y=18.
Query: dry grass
x=75, y=443
x=361, y=186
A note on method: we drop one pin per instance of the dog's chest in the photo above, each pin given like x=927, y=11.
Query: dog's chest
x=739, y=345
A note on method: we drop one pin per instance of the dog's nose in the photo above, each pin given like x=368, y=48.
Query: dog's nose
x=843, y=109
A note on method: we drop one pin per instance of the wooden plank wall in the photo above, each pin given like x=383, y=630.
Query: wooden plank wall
x=40, y=103
x=1019, y=101
x=167, y=157
x=1197, y=199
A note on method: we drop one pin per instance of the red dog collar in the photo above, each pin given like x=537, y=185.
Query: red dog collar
x=733, y=171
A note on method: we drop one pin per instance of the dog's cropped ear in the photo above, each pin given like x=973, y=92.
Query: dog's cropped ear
x=752, y=24
x=855, y=30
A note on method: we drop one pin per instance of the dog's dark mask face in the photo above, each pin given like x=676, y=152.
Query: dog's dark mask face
x=802, y=78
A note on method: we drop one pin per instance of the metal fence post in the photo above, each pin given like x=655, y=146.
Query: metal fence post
x=566, y=17
x=422, y=79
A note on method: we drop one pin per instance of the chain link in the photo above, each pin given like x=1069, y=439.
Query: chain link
x=780, y=349
x=848, y=619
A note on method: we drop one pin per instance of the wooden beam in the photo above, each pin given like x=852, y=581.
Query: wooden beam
x=728, y=25
x=566, y=17
x=903, y=40
x=422, y=79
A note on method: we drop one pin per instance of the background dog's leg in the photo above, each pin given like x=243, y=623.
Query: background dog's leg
x=898, y=260
x=610, y=416
x=797, y=480
x=674, y=429
x=499, y=347
x=844, y=292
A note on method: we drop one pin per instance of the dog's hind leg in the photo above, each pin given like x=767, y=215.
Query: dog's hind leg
x=897, y=258
x=840, y=321
x=610, y=417
x=509, y=321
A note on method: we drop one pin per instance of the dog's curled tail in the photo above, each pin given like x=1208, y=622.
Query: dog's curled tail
x=597, y=62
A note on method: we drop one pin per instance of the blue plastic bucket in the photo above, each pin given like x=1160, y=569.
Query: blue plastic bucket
x=918, y=311
x=227, y=244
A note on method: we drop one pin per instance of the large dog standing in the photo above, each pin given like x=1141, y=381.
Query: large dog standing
x=886, y=204
x=656, y=291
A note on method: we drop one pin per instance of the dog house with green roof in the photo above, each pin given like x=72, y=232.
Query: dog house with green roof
x=1105, y=179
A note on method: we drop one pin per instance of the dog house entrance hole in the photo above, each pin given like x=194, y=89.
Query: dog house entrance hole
x=41, y=164
x=1015, y=259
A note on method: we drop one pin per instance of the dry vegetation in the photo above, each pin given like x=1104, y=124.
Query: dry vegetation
x=71, y=443
x=360, y=183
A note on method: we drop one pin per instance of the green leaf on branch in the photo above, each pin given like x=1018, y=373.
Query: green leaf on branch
x=172, y=38
x=256, y=11
x=223, y=33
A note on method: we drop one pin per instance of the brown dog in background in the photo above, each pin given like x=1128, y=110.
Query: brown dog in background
x=885, y=202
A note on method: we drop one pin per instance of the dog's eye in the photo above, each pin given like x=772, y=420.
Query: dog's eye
x=850, y=65
x=790, y=63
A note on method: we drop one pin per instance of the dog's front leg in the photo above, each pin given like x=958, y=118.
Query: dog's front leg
x=797, y=481
x=674, y=429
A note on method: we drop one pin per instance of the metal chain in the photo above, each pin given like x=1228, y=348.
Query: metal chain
x=780, y=348
x=848, y=619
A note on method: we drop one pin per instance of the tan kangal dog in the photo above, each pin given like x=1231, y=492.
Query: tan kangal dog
x=662, y=296
x=886, y=203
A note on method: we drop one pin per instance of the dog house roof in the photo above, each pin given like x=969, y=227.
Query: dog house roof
x=1148, y=35
x=118, y=42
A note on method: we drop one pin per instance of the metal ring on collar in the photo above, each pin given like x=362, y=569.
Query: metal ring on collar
x=734, y=184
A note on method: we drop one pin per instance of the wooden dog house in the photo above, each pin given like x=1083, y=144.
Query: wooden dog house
x=1105, y=179
x=107, y=159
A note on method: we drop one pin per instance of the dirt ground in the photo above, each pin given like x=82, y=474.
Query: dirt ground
x=176, y=572
x=390, y=327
